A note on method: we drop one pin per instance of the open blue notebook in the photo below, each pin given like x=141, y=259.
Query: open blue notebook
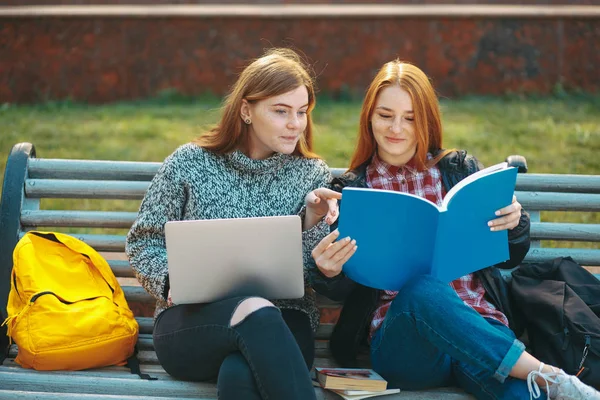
x=401, y=235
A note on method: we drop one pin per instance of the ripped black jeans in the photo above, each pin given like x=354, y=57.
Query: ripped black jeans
x=266, y=356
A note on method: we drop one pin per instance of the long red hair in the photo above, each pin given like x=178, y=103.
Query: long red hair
x=277, y=72
x=427, y=120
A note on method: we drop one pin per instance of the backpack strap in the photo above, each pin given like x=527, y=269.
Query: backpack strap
x=133, y=363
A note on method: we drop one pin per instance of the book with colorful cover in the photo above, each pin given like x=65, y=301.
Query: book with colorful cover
x=400, y=235
x=350, y=379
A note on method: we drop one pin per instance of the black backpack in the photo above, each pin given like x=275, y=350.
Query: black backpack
x=560, y=301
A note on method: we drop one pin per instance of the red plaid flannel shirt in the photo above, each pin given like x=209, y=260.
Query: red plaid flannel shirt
x=426, y=184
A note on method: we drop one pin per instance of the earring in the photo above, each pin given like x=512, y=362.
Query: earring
x=248, y=121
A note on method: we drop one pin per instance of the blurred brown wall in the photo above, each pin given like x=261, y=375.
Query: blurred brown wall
x=102, y=59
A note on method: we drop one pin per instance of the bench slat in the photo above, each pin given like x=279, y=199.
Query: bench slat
x=85, y=189
x=585, y=257
x=154, y=369
x=10, y=395
x=558, y=183
x=544, y=230
x=110, y=243
x=121, y=268
x=547, y=201
x=147, y=355
x=106, y=372
x=84, y=219
x=321, y=394
x=146, y=324
x=60, y=383
x=137, y=294
x=565, y=231
x=145, y=171
x=10, y=364
x=47, y=168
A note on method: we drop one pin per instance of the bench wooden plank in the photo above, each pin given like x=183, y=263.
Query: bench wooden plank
x=146, y=324
x=120, y=189
x=565, y=231
x=587, y=257
x=112, y=243
x=137, y=294
x=447, y=394
x=42, y=381
x=47, y=168
x=60, y=383
x=123, y=373
x=63, y=386
x=157, y=369
x=549, y=201
x=85, y=219
x=20, y=395
x=85, y=189
x=147, y=368
x=121, y=268
x=558, y=183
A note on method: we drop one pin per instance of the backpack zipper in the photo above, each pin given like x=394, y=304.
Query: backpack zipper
x=586, y=349
x=52, y=237
x=40, y=294
x=8, y=321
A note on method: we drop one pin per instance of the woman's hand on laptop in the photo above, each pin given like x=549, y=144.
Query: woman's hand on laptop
x=321, y=203
x=330, y=256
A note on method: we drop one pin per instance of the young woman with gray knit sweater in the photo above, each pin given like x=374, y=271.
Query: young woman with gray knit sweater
x=257, y=161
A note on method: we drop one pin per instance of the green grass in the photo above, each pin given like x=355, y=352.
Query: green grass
x=556, y=134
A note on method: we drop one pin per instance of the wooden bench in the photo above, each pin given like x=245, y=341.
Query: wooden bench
x=29, y=181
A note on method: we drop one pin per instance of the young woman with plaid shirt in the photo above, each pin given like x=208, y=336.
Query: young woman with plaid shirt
x=429, y=334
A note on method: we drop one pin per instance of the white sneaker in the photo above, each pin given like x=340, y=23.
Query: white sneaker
x=560, y=386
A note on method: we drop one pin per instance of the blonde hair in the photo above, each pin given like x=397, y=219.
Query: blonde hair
x=277, y=72
x=427, y=120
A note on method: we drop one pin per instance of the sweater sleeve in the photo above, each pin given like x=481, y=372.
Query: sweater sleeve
x=311, y=237
x=340, y=286
x=145, y=246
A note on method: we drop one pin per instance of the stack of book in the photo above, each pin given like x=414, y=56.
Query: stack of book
x=352, y=383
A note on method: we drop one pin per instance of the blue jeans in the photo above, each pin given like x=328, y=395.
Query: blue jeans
x=431, y=338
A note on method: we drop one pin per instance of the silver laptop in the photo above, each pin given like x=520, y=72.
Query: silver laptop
x=215, y=259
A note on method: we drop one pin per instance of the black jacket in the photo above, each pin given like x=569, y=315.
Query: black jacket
x=360, y=301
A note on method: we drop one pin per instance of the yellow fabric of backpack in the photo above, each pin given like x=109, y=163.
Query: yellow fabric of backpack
x=66, y=310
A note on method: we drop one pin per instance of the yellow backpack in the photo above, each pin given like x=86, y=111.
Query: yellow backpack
x=66, y=310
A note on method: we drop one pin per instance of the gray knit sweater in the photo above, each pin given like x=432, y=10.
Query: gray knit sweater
x=194, y=183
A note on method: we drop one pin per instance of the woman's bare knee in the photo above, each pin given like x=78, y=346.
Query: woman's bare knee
x=247, y=307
